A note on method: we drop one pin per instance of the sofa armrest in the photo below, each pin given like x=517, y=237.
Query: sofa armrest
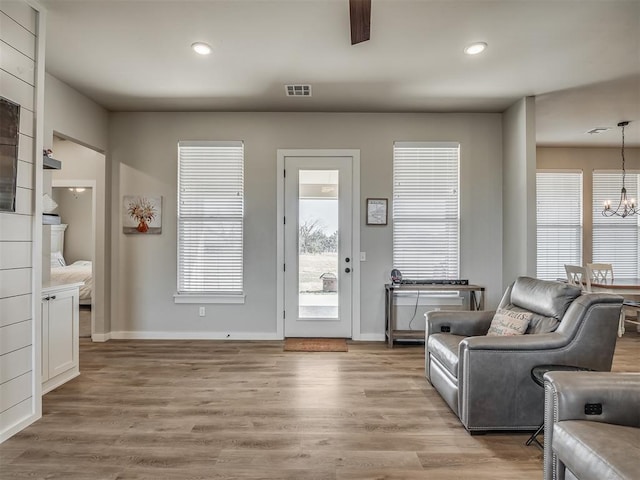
x=458, y=322
x=493, y=402
x=568, y=393
x=618, y=393
x=542, y=341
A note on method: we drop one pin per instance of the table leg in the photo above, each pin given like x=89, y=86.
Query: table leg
x=534, y=438
x=388, y=306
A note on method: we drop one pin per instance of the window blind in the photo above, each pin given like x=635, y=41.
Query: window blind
x=210, y=217
x=426, y=227
x=559, y=222
x=615, y=239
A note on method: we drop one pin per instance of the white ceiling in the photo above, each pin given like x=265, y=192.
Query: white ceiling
x=580, y=58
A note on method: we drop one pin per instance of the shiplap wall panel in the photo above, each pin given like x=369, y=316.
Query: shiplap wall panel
x=18, y=27
x=15, y=228
x=15, y=309
x=17, y=64
x=15, y=391
x=25, y=148
x=17, y=36
x=21, y=13
x=15, y=363
x=15, y=255
x=17, y=413
x=16, y=90
x=15, y=337
x=26, y=122
x=25, y=175
x=15, y=282
x=24, y=201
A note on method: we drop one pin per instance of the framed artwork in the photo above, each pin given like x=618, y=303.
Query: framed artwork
x=141, y=214
x=376, y=211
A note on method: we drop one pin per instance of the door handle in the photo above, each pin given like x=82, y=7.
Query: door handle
x=347, y=270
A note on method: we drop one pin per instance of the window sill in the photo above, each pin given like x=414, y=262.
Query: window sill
x=230, y=299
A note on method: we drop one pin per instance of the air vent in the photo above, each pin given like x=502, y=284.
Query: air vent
x=298, y=90
x=597, y=130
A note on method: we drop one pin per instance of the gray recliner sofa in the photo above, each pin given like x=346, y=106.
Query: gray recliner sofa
x=486, y=380
x=592, y=426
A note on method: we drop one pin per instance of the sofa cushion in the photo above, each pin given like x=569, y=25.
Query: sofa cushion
x=538, y=323
x=546, y=298
x=509, y=322
x=444, y=347
x=596, y=450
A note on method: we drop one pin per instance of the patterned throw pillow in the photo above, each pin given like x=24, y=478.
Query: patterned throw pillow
x=508, y=322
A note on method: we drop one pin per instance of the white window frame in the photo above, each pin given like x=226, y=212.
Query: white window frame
x=565, y=206
x=234, y=296
x=608, y=241
x=440, y=206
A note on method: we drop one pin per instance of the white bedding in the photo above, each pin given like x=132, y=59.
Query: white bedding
x=79, y=271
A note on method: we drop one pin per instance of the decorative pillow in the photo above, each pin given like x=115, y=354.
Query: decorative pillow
x=57, y=260
x=538, y=323
x=508, y=322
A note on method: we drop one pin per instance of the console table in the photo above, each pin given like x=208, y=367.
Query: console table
x=476, y=302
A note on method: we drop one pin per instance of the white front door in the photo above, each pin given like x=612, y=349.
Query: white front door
x=318, y=267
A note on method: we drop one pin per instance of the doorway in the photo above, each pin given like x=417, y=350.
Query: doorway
x=319, y=239
x=85, y=167
x=74, y=239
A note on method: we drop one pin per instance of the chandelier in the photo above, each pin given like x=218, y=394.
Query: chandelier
x=625, y=206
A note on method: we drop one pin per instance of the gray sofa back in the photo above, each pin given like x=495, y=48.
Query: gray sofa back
x=547, y=300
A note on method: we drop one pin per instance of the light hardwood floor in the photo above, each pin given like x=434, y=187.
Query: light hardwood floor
x=230, y=410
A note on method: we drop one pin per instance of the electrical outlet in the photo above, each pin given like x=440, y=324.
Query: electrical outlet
x=363, y=256
x=202, y=312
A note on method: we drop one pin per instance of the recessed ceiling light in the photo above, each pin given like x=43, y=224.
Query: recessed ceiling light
x=475, y=48
x=201, y=48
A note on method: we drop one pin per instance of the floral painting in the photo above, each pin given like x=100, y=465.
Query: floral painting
x=142, y=214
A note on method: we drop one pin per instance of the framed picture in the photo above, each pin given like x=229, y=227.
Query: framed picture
x=141, y=214
x=376, y=211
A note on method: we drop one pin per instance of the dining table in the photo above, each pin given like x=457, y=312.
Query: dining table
x=628, y=288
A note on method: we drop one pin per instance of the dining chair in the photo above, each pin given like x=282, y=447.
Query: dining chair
x=600, y=272
x=603, y=272
x=579, y=276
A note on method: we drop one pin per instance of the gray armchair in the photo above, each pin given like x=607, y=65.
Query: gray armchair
x=592, y=426
x=486, y=381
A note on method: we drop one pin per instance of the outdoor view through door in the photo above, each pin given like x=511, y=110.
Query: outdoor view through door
x=318, y=261
x=318, y=244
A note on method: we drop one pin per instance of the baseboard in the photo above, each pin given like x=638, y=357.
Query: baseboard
x=370, y=337
x=139, y=335
x=100, y=337
x=18, y=427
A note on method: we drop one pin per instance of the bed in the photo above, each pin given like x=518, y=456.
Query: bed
x=78, y=271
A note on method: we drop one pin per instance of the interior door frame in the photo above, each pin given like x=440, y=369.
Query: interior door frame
x=282, y=154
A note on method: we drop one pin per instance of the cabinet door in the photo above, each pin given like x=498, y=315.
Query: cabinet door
x=63, y=335
x=44, y=307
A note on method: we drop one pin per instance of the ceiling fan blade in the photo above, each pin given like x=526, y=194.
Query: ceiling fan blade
x=360, y=15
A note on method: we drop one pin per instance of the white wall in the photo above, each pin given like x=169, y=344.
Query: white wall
x=75, y=211
x=519, y=191
x=72, y=115
x=21, y=82
x=143, y=149
x=587, y=160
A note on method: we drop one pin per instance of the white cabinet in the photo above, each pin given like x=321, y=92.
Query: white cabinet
x=60, y=336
